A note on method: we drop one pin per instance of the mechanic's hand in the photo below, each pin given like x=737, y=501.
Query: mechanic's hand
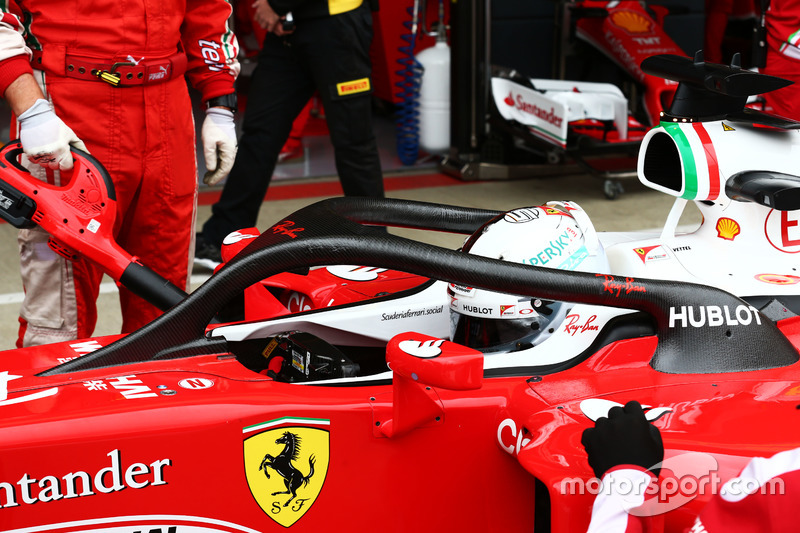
x=45, y=138
x=266, y=17
x=219, y=143
x=624, y=438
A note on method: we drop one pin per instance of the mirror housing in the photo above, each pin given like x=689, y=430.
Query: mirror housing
x=420, y=362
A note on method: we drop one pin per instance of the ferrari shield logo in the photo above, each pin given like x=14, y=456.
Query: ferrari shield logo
x=286, y=461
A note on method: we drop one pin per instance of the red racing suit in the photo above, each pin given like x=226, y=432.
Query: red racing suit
x=611, y=506
x=141, y=130
x=782, y=20
x=762, y=498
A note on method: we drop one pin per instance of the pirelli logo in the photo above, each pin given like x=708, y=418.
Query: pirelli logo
x=352, y=87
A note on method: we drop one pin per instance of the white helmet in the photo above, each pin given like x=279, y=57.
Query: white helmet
x=555, y=235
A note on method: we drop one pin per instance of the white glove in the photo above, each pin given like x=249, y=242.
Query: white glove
x=219, y=143
x=45, y=138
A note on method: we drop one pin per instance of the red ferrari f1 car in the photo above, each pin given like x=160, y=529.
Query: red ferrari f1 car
x=295, y=422
x=336, y=397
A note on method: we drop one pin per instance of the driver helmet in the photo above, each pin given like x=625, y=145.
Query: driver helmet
x=555, y=235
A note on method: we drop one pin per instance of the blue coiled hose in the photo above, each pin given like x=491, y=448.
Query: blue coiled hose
x=409, y=84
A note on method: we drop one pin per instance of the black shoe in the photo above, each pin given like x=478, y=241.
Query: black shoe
x=206, y=254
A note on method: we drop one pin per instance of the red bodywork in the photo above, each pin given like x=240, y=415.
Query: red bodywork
x=288, y=292
x=627, y=35
x=193, y=420
x=166, y=443
x=200, y=442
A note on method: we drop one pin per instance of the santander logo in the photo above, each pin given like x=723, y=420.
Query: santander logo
x=533, y=109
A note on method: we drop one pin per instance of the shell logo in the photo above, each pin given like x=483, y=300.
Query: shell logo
x=631, y=21
x=727, y=228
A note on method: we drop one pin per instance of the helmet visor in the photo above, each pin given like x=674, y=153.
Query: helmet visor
x=492, y=335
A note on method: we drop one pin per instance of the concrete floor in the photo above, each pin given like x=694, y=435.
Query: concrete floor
x=638, y=208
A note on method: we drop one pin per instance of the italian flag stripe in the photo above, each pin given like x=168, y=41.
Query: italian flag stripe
x=287, y=420
x=711, y=160
x=689, y=166
x=794, y=38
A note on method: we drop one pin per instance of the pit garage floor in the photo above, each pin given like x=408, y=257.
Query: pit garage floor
x=298, y=184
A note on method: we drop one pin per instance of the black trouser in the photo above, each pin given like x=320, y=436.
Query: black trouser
x=321, y=54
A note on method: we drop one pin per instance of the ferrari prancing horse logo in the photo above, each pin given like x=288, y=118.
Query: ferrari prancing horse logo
x=286, y=466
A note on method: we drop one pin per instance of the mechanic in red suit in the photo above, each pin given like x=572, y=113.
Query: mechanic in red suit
x=109, y=76
x=718, y=14
x=782, y=20
x=328, y=52
x=624, y=446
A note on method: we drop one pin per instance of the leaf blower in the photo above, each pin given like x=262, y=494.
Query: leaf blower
x=80, y=219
